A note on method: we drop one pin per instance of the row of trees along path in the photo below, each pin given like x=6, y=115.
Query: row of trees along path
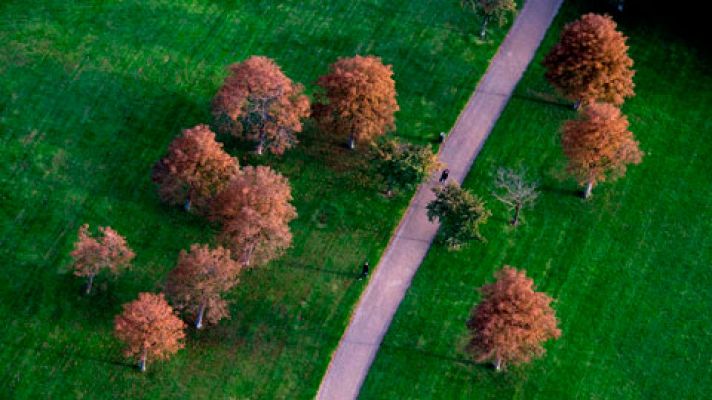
x=378, y=303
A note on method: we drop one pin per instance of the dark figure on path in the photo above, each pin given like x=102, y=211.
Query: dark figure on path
x=364, y=271
x=443, y=176
x=442, y=137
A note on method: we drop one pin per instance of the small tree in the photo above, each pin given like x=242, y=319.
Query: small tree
x=259, y=103
x=198, y=281
x=358, y=99
x=149, y=327
x=403, y=165
x=489, y=9
x=590, y=63
x=195, y=169
x=255, y=211
x=511, y=323
x=460, y=214
x=599, y=145
x=92, y=254
x=514, y=191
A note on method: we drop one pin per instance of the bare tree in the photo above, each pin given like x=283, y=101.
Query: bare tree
x=513, y=189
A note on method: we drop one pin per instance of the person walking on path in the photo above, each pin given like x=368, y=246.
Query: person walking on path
x=442, y=137
x=364, y=271
x=443, y=176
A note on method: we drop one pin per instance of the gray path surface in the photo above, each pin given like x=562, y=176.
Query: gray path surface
x=379, y=302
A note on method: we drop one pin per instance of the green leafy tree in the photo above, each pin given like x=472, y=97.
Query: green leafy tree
x=460, y=214
x=498, y=10
x=403, y=165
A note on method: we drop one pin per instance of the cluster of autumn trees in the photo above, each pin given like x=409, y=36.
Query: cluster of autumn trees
x=251, y=205
x=591, y=67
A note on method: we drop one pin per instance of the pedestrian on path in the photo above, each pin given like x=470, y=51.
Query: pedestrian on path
x=443, y=176
x=364, y=271
x=442, y=137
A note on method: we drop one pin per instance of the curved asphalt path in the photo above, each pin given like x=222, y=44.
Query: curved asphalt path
x=378, y=303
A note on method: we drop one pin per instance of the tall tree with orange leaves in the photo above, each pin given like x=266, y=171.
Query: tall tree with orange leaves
x=195, y=169
x=195, y=286
x=513, y=320
x=599, y=145
x=106, y=251
x=149, y=327
x=258, y=102
x=254, y=212
x=357, y=99
x=591, y=63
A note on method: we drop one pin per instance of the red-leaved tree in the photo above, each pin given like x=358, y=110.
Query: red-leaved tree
x=195, y=286
x=92, y=254
x=591, y=63
x=358, y=99
x=195, y=169
x=599, y=145
x=512, y=321
x=149, y=327
x=254, y=212
x=259, y=103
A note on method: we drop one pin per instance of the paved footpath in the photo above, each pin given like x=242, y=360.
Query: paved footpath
x=379, y=301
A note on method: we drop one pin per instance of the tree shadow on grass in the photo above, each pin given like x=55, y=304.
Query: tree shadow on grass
x=541, y=99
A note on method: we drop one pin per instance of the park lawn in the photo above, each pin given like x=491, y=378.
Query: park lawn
x=629, y=269
x=92, y=92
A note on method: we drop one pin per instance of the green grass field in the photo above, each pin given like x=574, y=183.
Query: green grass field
x=630, y=269
x=92, y=92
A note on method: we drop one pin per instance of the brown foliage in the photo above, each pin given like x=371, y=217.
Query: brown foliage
x=259, y=103
x=199, y=279
x=108, y=250
x=195, y=169
x=255, y=212
x=512, y=321
x=358, y=98
x=149, y=327
x=598, y=144
x=590, y=63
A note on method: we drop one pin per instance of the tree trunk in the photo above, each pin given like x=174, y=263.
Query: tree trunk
x=89, y=284
x=587, y=191
x=142, y=361
x=515, y=220
x=483, y=29
x=186, y=205
x=352, y=142
x=620, y=5
x=261, y=145
x=199, y=321
x=577, y=104
x=248, y=254
x=498, y=364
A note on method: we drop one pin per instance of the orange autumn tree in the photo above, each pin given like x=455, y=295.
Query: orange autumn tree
x=254, y=211
x=599, y=145
x=195, y=169
x=511, y=323
x=149, y=327
x=93, y=254
x=591, y=63
x=259, y=103
x=358, y=99
x=198, y=281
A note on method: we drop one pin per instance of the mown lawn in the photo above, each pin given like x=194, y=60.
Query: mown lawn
x=630, y=269
x=92, y=92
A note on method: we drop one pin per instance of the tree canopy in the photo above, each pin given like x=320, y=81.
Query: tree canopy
x=195, y=169
x=357, y=99
x=258, y=102
x=195, y=286
x=403, y=165
x=106, y=251
x=598, y=145
x=512, y=321
x=149, y=327
x=254, y=212
x=460, y=214
x=590, y=62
